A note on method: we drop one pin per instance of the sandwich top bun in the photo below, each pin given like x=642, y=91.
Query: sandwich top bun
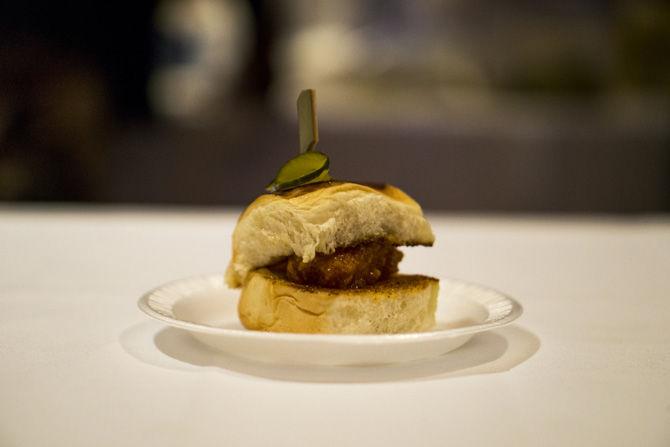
x=319, y=218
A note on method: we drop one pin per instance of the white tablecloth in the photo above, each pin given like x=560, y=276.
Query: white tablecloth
x=587, y=364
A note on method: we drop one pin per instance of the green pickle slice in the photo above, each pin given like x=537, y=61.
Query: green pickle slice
x=308, y=167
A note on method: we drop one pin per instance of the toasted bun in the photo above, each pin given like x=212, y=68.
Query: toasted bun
x=402, y=303
x=320, y=218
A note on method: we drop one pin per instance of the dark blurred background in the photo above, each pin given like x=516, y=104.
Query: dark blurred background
x=468, y=105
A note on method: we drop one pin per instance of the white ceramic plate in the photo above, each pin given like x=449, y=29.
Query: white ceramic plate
x=207, y=308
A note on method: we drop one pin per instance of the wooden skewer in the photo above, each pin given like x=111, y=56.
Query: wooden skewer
x=308, y=126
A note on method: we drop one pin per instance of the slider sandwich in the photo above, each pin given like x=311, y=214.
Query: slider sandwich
x=321, y=256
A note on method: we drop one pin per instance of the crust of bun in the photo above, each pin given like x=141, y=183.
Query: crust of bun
x=402, y=303
x=319, y=218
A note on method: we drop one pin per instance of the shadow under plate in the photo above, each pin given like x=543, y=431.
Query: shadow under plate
x=489, y=352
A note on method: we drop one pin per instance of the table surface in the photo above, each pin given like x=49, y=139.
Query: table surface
x=587, y=364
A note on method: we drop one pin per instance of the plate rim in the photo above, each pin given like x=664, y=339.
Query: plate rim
x=515, y=311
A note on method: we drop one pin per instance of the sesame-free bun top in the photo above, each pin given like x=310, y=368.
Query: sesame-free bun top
x=319, y=218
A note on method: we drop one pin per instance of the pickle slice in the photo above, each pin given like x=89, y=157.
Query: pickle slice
x=308, y=167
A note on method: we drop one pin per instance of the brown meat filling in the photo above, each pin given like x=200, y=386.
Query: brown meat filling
x=347, y=268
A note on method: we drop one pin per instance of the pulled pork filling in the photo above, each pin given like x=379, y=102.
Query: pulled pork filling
x=347, y=268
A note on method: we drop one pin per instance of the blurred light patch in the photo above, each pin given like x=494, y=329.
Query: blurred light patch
x=201, y=49
x=513, y=67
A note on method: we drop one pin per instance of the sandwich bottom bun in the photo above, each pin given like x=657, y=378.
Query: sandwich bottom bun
x=402, y=303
